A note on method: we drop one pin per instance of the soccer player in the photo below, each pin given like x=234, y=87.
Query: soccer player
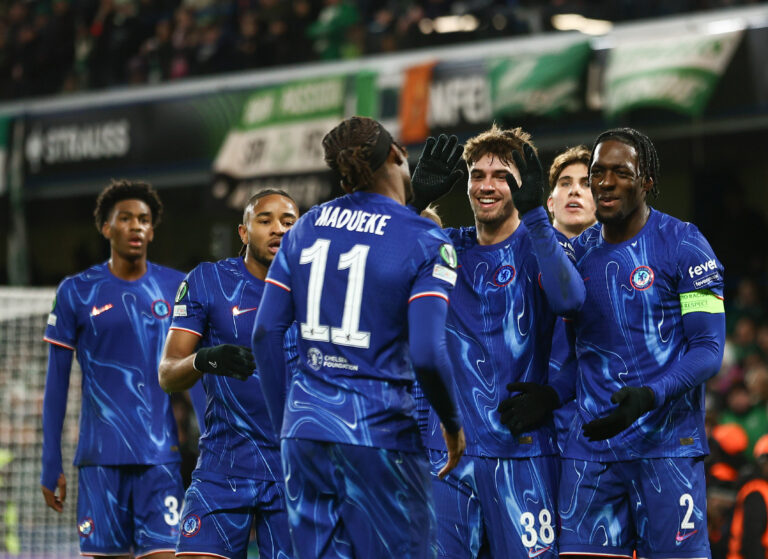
x=368, y=282
x=115, y=315
x=239, y=477
x=501, y=498
x=650, y=333
x=572, y=207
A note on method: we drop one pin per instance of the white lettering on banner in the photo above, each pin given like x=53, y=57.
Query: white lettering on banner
x=312, y=97
x=707, y=266
x=358, y=220
x=258, y=109
x=463, y=96
x=274, y=150
x=73, y=143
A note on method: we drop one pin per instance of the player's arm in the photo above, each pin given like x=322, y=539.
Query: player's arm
x=52, y=480
x=181, y=366
x=559, y=278
x=429, y=356
x=704, y=330
x=274, y=317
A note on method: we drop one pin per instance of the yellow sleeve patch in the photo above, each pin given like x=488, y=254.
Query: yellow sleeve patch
x=701, y=301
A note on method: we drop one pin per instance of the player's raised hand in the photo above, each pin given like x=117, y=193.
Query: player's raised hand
x=632, y=403
x=227, y=360
x=528, y=195
x=438, y=170
x=528, y=409
x=456, y=444
x=55, y=499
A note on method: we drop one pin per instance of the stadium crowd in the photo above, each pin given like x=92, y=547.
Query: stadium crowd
x=53, y=46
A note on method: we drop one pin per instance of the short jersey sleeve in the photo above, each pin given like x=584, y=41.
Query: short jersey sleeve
x=62, y=320
x=435, y=261
x=697, y=266
x=190, y=306
x=279, y=274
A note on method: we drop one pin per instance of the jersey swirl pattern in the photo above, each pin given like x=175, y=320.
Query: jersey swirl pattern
x=629, y=332
x=118, y=328
x=219, y=305
x=499, y=330
x=352, y=265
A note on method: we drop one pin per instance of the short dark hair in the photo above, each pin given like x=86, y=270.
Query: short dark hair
x=261, y=194
x=647, y=158
x=123, y=189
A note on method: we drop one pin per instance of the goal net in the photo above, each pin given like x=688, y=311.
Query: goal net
x=28, y=528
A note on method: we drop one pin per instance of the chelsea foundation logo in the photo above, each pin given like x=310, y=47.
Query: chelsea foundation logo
x=85, y=527
x=641, y=278
x=160, y=308
x=190, y=525
x=314, y=358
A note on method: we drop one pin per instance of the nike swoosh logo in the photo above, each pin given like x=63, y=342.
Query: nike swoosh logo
x=683, y=537
x=237, y=312
x=536, y=553
x=213, y=364
x=96, y=311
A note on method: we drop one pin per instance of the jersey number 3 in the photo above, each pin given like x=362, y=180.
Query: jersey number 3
x=349, y=333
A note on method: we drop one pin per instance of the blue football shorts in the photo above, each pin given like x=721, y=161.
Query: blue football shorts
x=656, y=506
x=350, y=501
x=128, y=508
x=220, y=510
x=496, y=507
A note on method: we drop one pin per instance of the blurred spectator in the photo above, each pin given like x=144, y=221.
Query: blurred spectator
x=749, y=529
x=743, y=409
x=330, y=30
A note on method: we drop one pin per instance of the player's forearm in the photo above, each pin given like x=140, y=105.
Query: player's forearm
x=559, y=278
x=178, y=373
x=705, y=333
x=54, y=410
x=429, y=356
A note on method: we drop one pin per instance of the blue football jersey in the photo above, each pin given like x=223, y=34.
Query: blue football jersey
x=352, y=265
x=499, y=330
x=117, y=329
x=218, y=301
x=629, y=333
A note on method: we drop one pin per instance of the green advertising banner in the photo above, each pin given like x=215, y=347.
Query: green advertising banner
x=538, y=84
x=281, y=128
x=676, y=73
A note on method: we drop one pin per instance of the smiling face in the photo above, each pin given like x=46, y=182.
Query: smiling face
x=618, y=187
x=488, y=191
x=268, y=218
x=570, y=202
x=129, y=229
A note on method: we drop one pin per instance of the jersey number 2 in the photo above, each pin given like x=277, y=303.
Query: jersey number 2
x=349, y=333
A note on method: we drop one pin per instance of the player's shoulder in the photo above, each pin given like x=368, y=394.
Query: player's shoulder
x=165, y=275
x=96, y=273
x=669, y=227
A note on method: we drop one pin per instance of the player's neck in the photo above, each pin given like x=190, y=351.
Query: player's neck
x=256, y=268
x=621, y=231
x=492, y=233
x=125, y=269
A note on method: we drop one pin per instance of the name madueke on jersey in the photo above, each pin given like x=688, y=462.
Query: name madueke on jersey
x=352, y=220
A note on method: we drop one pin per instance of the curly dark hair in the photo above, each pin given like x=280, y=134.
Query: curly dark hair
x=647, y=158
x=349, y=148
x=124, y=189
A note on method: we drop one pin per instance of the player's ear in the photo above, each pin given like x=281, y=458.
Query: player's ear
x=647, y=184
x=106, y=230
x=551, y=205
x=396, y=154
x=242, y=230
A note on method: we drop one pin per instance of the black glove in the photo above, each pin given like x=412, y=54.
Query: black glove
x=226, y=360
x=527, y=410
x=633, y=402
x=529, y=195
x=439, y=169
